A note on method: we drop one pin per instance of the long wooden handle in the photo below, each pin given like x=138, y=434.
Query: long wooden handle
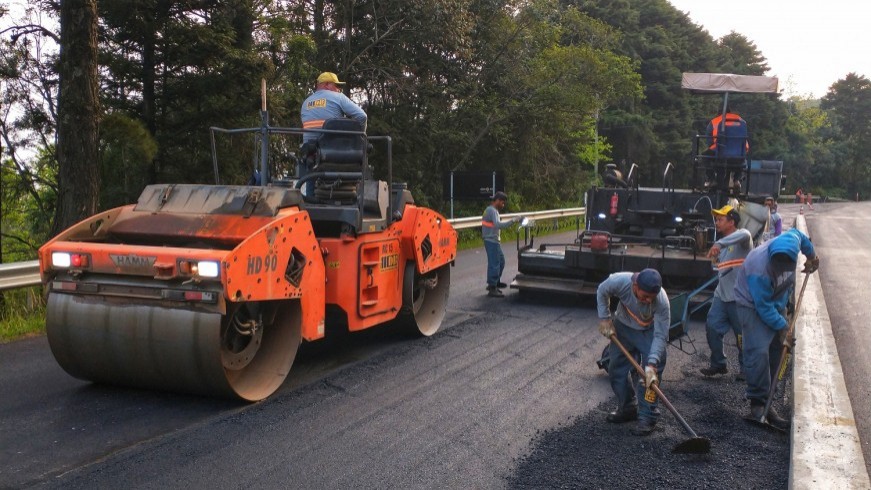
x=784, y=352
x=655, y=387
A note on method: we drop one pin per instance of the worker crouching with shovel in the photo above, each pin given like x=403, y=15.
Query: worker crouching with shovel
x=640, y=326
x=762, y=289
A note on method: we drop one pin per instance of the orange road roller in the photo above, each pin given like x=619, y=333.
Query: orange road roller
x=210, y=289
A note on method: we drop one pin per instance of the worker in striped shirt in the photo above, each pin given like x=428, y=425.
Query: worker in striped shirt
x=728, y=253
x=640, y=322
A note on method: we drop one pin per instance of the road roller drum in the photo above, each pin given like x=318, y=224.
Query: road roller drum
x=171, y=349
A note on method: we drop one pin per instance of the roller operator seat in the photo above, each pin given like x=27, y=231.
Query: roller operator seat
x=340, y=152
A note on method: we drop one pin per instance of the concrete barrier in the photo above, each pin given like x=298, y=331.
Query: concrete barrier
x=825, y=450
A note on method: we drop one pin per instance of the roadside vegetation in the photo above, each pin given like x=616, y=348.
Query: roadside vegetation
x=22, y=314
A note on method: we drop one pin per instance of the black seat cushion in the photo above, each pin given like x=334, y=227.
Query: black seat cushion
x=342, y=148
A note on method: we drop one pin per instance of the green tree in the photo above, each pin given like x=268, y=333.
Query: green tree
x=26, y=204
x=181, y=67
x=28, y=108
x=848, y=105
x=661, y=126
x=657, y=128
x=739, y=55
x=540, y=89
x=77, y=114
x=558, y=73
x=813, y=153
x=127, y=150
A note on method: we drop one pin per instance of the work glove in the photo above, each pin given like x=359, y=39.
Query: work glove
x=650, y=377
x=811, y=265
x=606, y=327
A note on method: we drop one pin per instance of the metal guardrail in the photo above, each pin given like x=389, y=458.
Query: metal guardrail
x=475, y=221
x=16, y=275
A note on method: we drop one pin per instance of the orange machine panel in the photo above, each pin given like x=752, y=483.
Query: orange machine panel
x=428, y=238
x=281, y=261
x=364, y=277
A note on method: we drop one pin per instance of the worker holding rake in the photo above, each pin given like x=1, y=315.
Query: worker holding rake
x=762, y=289
x=640, y=323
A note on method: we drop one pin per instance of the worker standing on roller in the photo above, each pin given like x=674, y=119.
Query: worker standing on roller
x=728, y=253
x=641, y=324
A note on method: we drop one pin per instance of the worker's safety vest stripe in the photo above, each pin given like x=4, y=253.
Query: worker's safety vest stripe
x=316, y=123
x=643, y=323
x=728, y=264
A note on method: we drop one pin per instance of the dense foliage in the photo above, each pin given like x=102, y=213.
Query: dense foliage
x=543, y=90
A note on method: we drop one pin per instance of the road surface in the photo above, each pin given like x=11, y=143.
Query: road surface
x=507, y=395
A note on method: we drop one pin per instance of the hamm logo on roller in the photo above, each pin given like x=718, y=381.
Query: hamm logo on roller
x=132, y=261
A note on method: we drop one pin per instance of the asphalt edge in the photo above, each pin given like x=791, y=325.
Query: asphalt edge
x=825, y=450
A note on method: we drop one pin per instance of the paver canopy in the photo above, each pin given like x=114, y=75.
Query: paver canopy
x=727, y=82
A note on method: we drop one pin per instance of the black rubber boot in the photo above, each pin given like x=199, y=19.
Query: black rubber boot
x=773, y=418
x=620, y=416
x=644, y=428
x=776, y=420
x=713, y=371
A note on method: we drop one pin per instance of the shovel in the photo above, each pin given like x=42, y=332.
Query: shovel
x=781, y=369
x=695, y=444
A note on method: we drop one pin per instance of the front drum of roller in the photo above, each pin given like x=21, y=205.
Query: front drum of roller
x=246, y=353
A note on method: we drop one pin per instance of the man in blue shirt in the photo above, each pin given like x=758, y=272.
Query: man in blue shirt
x=762, y=289
x=328, y=102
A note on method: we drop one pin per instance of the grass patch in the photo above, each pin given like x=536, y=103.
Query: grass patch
x=22, y=314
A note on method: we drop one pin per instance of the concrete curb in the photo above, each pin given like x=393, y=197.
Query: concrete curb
x=825, y=450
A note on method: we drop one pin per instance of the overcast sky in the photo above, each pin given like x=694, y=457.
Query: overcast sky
x=809, y=44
